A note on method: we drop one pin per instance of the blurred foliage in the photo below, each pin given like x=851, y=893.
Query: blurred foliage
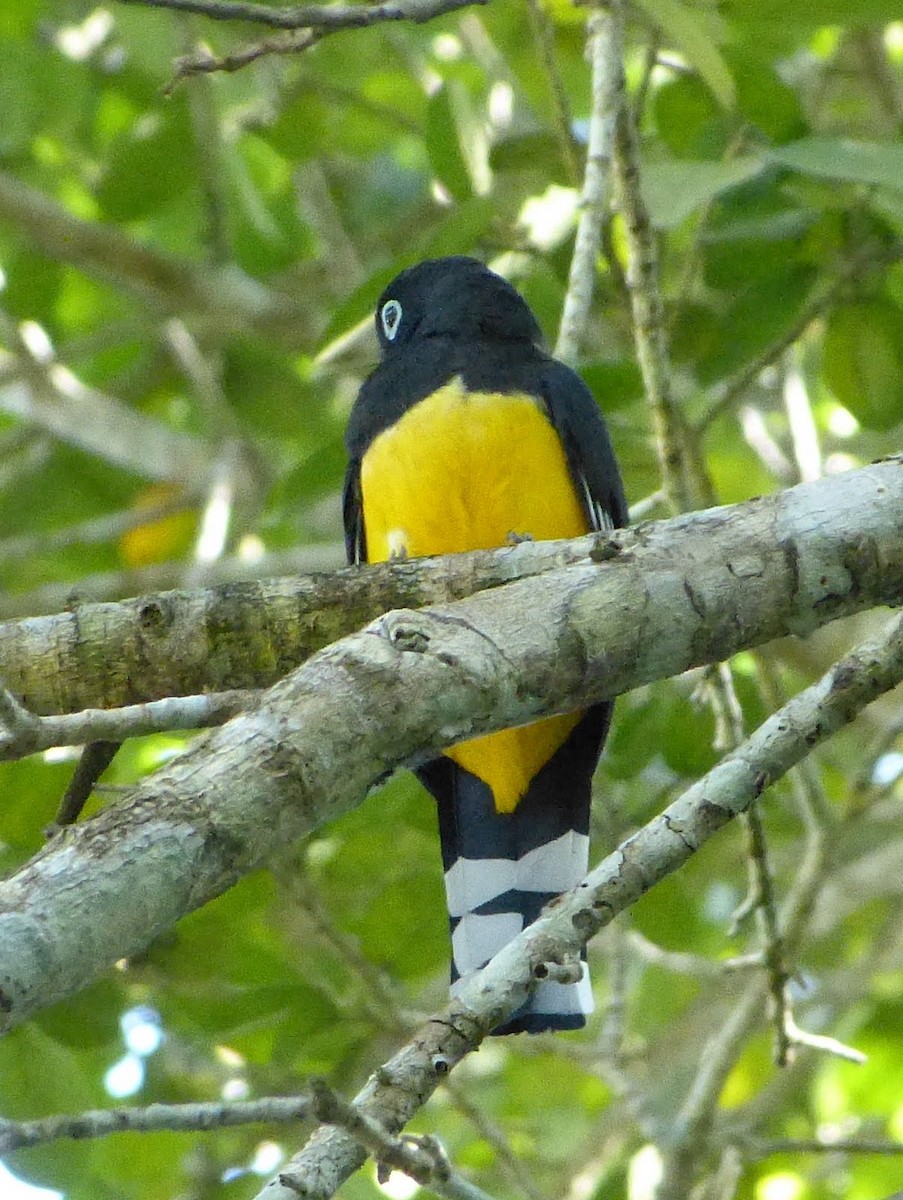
x=774, y=173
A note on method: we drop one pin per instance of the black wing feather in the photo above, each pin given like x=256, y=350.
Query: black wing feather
x=353, y=514
x=574, y=413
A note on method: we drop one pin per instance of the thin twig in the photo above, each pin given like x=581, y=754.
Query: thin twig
x=677, y=962
x=50, y=396
x=303, y=25
x=773, y=952
x=817, y=1041
x=328, y=17
x=604, y=47
x=730, y=733
x=209, y=149
x=650, y=62
x=882, y=744
x=758, y=438
x=813, y=1146
x=381, y=999
x=93, y=531
x=212, y=401
x=649, y=327
x=800, y=418
x=222, y=299
x=422, y=1158
x=202, y=62
x=613, y=1060
x=27, y=734
x=20, y=724
x=696, y=1115
x=93, y=761
x=182, y=1118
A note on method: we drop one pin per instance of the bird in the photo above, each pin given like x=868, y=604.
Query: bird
x=468, y=435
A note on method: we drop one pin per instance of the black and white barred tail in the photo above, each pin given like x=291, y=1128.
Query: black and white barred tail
x=502, y=868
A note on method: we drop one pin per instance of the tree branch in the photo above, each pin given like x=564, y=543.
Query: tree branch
x=328, y=17
x=824, y=296
x=649, y=327
x=180, y=642
x=422, y=1158
x=55, y=400
x=785, y=561
x=27, y=734
x=138, y=581
x=301, y=25
x=604, y=49
x=693, y=1123
x=202, y=62
x=183, y=1118
x=105, y=528
x=395, y=1092
x=815, y=1146
x=224, y=297
x=688, y=591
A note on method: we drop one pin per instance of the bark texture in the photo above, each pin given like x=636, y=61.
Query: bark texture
x=668, y=597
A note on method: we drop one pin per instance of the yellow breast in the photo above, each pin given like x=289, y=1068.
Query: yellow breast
x=466, y=471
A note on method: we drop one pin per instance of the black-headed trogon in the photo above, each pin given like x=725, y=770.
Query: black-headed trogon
x=468, y=435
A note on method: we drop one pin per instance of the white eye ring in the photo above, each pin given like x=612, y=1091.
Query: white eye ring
x=391, y=318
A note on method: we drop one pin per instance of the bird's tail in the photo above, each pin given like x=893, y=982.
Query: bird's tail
x=502, y=868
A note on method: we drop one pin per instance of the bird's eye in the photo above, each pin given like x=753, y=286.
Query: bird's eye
x=391, y=318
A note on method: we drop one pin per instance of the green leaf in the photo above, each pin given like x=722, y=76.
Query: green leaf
x=268, y=233
x=444, y=146
x=688, y=120
x=461, y=229
x=863, y=361
x=763, y=98
x=810, y=14
x=878, y=163
x=300, y=128
x=746, y=234
x=40, y=1076
x=696, y=33
x=17, y=101
x=149, y=165
x=675, y=189
x=614, y=384
x=17, y=18
x=90, y=1018
x=746, y=325
x=529, y=151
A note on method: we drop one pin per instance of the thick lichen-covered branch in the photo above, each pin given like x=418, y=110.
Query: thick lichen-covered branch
x=686, y=592
x=789, y=562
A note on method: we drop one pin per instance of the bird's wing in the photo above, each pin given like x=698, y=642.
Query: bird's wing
x=353, y=514
x=591, y=460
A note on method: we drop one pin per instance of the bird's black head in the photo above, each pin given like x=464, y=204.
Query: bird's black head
x=454, y=297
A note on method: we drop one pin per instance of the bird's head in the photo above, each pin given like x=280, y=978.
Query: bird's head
x=454, y=297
